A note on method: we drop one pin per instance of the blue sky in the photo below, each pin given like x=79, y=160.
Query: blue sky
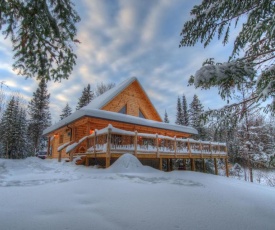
x=125, y=38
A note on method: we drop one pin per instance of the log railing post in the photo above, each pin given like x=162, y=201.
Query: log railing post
x=201, y=150
x=157, y=145
x=95, y=142
x=175, y=145
x=135, y=143
x=189, y=147
x=108, y=150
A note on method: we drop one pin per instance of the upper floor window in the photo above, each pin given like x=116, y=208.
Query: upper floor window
x=141, y=114
x=123, y=110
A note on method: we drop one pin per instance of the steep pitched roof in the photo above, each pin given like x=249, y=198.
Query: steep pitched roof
x=108, y=96
x=100, y=101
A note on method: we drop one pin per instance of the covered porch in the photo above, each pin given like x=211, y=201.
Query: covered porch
x=110, y=143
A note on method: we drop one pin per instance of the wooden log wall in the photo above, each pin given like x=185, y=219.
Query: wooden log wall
x=135, y=99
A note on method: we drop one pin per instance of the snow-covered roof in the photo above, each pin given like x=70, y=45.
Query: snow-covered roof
x=118, y=117
x=100, y=101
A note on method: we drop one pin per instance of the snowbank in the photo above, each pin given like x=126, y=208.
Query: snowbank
x=128, y=163
x=44, y=194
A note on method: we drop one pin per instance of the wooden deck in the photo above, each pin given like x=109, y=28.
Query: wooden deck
x=110, y=143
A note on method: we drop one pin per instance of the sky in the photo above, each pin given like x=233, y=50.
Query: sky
x=121, y=39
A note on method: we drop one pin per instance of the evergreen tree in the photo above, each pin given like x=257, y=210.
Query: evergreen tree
x=42, y=34
x=67, y=111
x=40, y=117
x=195, y=119
x=253, y=57
x=86, y=97
x=179, y=117
x=102, y=88
x=166, y=119
x=13, y=130
x=185, y=111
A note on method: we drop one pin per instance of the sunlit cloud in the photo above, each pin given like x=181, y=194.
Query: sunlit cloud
x=125, y=38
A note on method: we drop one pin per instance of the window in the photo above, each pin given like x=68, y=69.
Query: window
x=123, y=110
x=141, y=114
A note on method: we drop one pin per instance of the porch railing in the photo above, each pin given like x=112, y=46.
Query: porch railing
x=112, y=140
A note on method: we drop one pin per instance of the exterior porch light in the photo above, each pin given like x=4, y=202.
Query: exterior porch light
x=91, y=131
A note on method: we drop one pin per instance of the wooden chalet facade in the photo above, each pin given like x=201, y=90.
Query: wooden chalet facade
x=122, y=120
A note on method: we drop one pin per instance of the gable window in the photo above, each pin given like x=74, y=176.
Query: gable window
x=141, y=114
x=123, y=110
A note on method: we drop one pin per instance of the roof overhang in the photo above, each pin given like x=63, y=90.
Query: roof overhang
x=112, y=116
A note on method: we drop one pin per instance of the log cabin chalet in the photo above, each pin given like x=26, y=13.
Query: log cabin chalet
x=124, y=120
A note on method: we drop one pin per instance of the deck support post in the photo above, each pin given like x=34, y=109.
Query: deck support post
x=87, y=161
x=168, y=165
x=160, y=164
x=108, y=161
x=108, y=152
x=226, y=167
x=216, y=167
x=193, y=168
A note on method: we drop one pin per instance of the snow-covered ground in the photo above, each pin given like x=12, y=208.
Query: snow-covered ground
x=45, y=194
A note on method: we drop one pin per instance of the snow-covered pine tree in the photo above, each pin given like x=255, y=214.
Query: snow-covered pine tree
x=7, y=129
x=22, y=143
x=67, y=111
x=185, y=111
x=253, y=55
x=86, y=97
x=13, y=130
x=195, y=120
x=179, y=120
x=40, y=117
x=166, y=119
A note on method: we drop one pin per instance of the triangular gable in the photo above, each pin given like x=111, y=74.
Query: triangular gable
x=130, y=95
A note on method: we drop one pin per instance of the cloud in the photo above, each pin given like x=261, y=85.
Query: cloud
x=125, y=38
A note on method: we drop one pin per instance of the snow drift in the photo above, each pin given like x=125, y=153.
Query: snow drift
x=128, y=163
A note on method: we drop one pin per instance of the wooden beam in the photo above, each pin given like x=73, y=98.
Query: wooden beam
x=157, y=145
x=216, y=166
x=160, y=164
x=135, y=143
x=193, y=167
x=108, y=161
